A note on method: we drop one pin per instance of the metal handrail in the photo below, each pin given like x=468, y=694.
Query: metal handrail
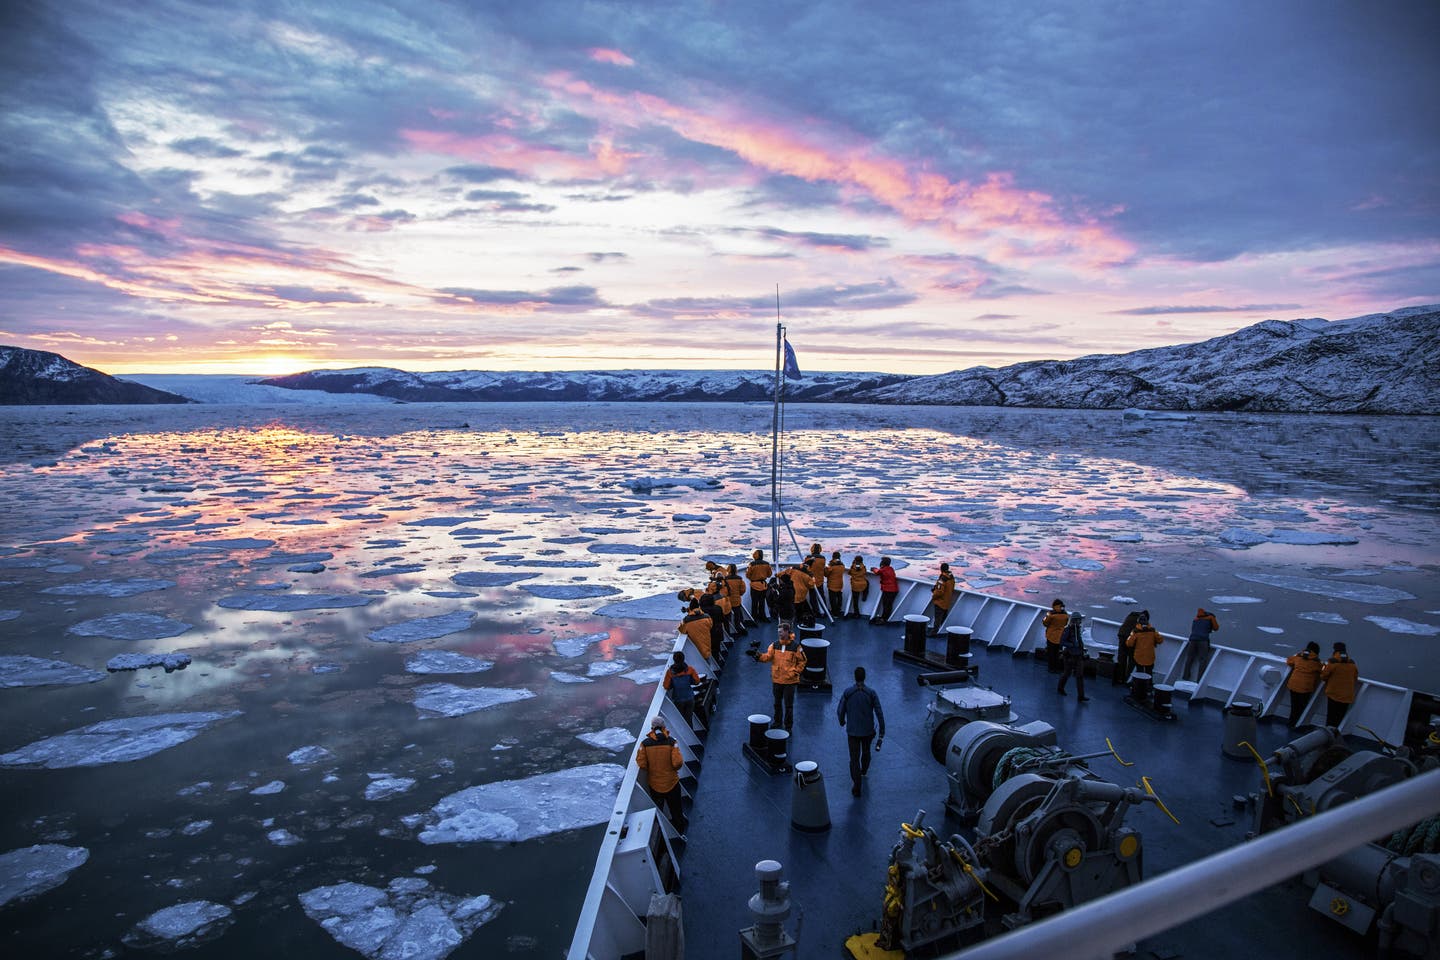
x=1099, y=929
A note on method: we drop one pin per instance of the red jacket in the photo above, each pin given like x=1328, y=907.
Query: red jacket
x=889, y=583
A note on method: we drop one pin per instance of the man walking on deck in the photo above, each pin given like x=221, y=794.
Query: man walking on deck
x=859, y=713
x=787, y=665
x=660, y=758
x=1072, y=646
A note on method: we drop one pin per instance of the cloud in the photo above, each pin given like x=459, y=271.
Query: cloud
x=605, y=256
x=299, y=294
x=615, y=57
x=567, y=297
x=481, y=173
x=830, y=241
x=205, y=147
x=1244, y=308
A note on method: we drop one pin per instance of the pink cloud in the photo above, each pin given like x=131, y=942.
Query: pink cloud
x=604, y=55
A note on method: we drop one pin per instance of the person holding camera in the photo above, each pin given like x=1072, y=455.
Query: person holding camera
x=1072, y=645
x=787, y=665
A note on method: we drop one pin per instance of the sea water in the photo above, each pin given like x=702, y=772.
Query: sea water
x=392, y=715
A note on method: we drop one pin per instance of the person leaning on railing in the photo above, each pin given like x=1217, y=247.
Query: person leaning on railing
x=1304, y=677
x=1124, y=657
x=758, y=573
x=859, y=585
x=1340, y=675
x=1143, y=640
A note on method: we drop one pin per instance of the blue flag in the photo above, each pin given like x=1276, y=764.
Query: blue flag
x=792, y=369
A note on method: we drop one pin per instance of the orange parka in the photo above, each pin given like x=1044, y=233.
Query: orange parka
x=859, y=577
x=697, y=626
x=1054, y=623
x=735, y=587
x=1144, y=639
x=1305, y=670
x=786, y=663
x=758, y=573
x=1340, y=675
x=803, y=582
x=815, y=566
x=660, y=758
x=835, y=576
x=943, y=593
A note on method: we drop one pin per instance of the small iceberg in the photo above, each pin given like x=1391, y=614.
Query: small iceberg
x=114, y=741
x=30, y=871
x=131, y=626
x=140, y=661
x=180, y=926
x=449, y=700
x=408, y=919
x=514, y=810
x=423, y=628
x=20, y=671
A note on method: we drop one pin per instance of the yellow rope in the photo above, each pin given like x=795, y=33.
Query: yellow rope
x=1158, y=802
x=1264, y=767
x=973, y=875
x=1116, y=755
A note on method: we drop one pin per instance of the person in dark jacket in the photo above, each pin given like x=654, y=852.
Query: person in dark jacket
x=859, y=713
x=1197, y=650
x=889, y=590
x=1124, y=656
x=659, y=757
x=782, y=599
x=1072, y=646
x=681, y=680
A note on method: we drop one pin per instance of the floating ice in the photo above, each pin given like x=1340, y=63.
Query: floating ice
x=1081, y=564
x=647, y=484
x=1270, y=629
x=289, y=602
x=1319, y=616
x=269, y=789
x=114, y=741
x=692, y=518
x=445, y=661
x=309, y=754
x=388, y=787
x=284, y=559
x=1226, y=601
x=475, y=578
x=109, y=588
x=407, y=921
x=1126, y=538
x=283, y=838
x=568, y=591
x=196, y=827
x=29, y=871
x=236, y=543
x=604, y=668
x=9, y=615
x=423, y=628
x=560, y=676
x=1241, y=537
x=1310, y=538
x=636, y=549
x=439, y=521
x=181, y=925
x=449, y=700
x=20, y=671
x=514, y=810
x=613, y=739
x=307, y=568
x=575, y=646
x=1334, y=589
x=646, y=675
x=1401, y=625
x=140, y=661
x=1120, y=598
x=131, y=626
x=983, y=583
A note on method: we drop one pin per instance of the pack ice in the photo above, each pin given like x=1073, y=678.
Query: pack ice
x=131, y=626
x=114, y=741
x=513, y=810
x=423, y=628
x=1334, y=589
x=19, y=671
x=109, y=588
x=290, y=602
x=445, y=661
x=408, y=920
x=33, y=870
x=449, y=700
x=181, y=925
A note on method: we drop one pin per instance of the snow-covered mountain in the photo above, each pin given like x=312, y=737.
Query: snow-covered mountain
x=36, y=376
x=1381, y=363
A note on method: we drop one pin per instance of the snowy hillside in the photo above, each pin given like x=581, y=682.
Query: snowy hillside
x=1382, y=363
x=234, y=388
x=36, y=376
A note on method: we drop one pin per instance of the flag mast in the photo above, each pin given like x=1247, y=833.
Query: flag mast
x=775, y=440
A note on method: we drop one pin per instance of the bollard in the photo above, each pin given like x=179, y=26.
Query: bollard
x=813, y=631
x=1140, y=686
x=1239, y=725
x=957, y=647
x=809, y=808
x=816, y=654
x=770, y=908
x=1164, y=692
x=759, y=723
x=916, y=626
x=777, y=746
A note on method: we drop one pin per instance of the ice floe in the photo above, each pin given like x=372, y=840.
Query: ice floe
x=576, y=646
x=387, y=787
x=140, y=661
x=269, y=789
x=449, y=700
x=423, y=628
x=109, y=588
x=114, y=741
x=445, y=661
x=1334, y=589
x=1081, y=564
x=637, y=549
x=613, y=739
x=314, y=753
x=283, y=838
x=1401, y=625
x=514, y=810
x=481, y=578
x=647, y=484
x=1230, y=601
x=131, y=626
x=29, y=871
x=568, y=591
x=1320, y=616
x=662, y=606
x=408, y=920
x=291, y=602
x=21, y=671
x=182, y=925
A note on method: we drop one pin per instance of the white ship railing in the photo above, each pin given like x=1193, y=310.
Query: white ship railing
x=626, y=872
x=1101, y=928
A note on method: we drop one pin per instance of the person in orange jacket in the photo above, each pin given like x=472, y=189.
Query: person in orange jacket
x=696, y=625
x=1054, y=623
x=835, y=584
x=889, y=590
x=814, y=564
x=859, y=585
x=1340, y=675
x=942, y=595
x=804, y=584
x=787, y=665
x=659, y=756
x=1305, y=668
x=735, y=589
x=758, y=573
x=1143, y=640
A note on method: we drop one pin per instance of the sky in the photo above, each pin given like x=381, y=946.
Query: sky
x=266, y=187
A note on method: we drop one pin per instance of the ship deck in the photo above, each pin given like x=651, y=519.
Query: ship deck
x=741, y=813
